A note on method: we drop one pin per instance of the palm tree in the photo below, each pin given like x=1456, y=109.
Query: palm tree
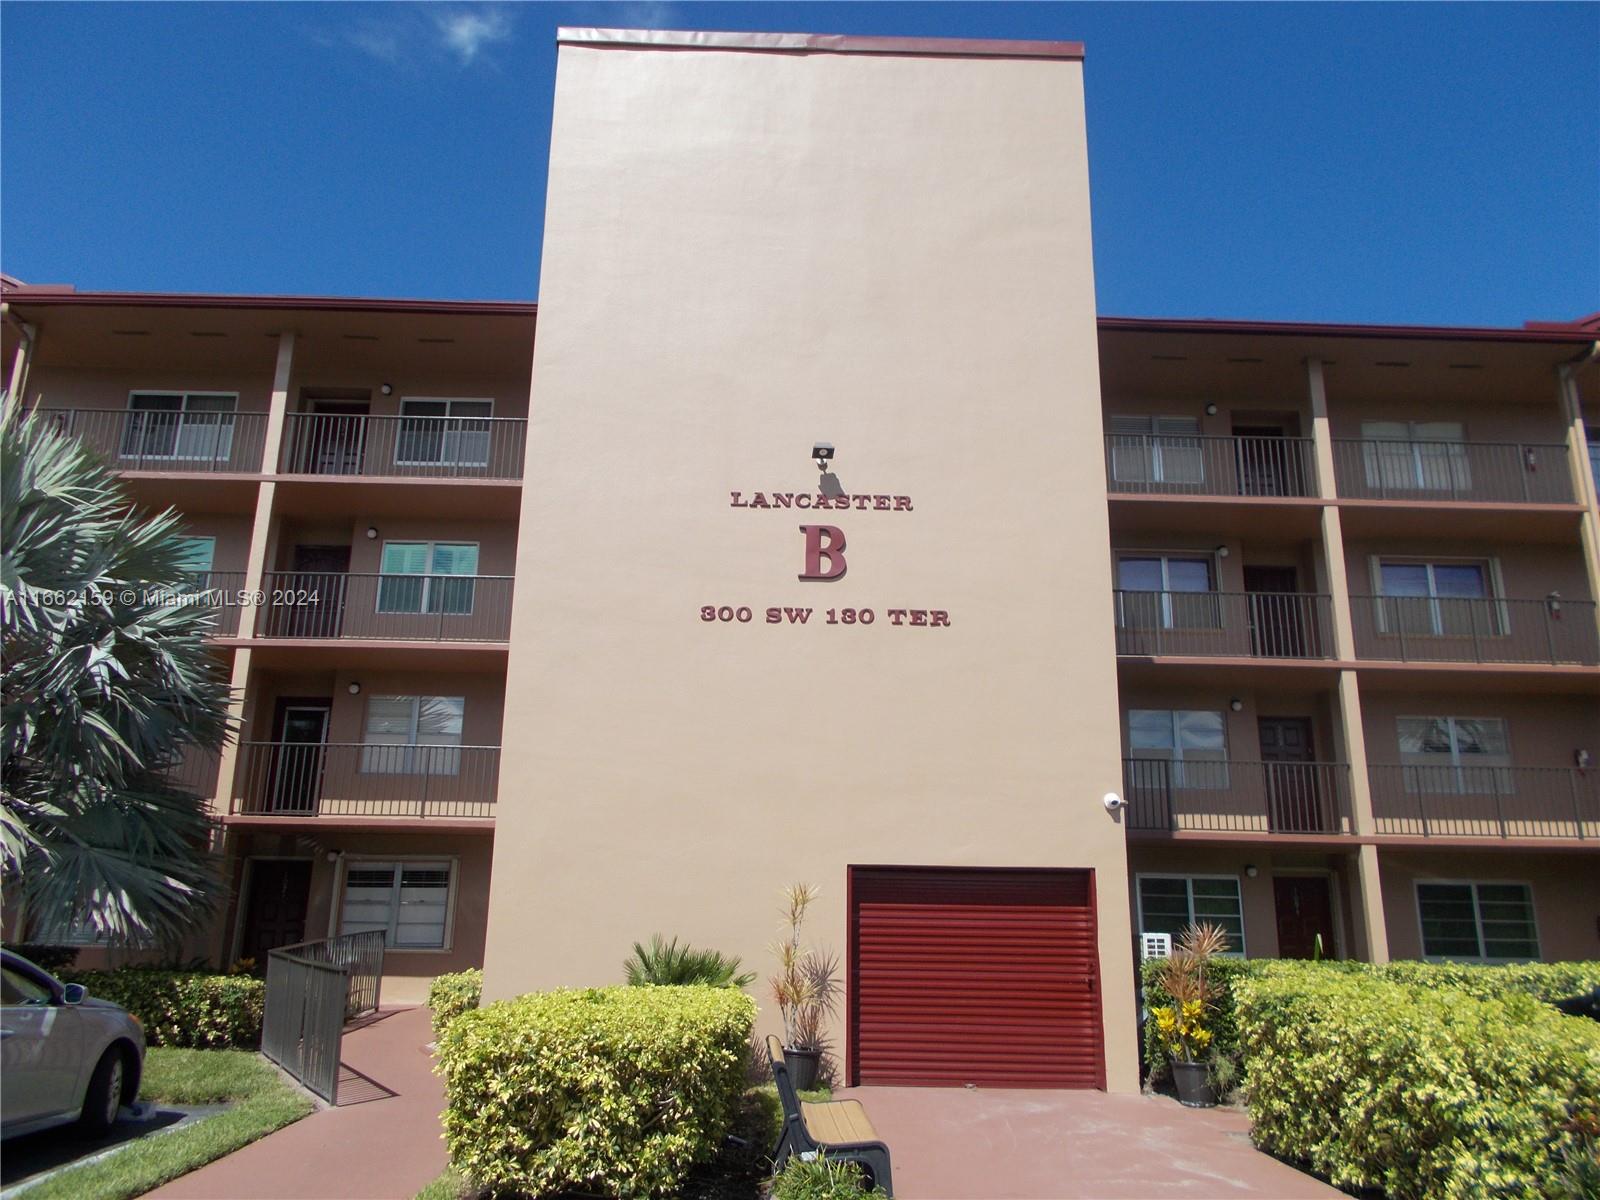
x=107, y=680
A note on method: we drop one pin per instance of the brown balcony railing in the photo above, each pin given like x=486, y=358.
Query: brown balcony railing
x=328, y=779
x=422, y=447
x=166, y=441
x=1459, y=629
x=1220, y=796
x=1512, y=472
x=221, y=595
x=196, y=771
x=1176, y=465
x=1486, y=801
x=1223, y=624
x=402, y=608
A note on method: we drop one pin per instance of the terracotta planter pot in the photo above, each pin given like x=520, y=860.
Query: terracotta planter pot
x=803, y=1067
x=1194, y=1084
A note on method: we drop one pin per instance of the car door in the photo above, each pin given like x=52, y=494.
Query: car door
x=40, y=1049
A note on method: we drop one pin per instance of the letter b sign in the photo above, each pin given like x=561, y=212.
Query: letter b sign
x=823, y=542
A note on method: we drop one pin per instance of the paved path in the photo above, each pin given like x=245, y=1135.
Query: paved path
x=1014, y=1144
x=381, y=1143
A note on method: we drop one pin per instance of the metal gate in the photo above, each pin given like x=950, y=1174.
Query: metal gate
x=313, y=988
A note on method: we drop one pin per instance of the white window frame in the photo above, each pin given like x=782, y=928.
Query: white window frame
x=427, y=578
x=1188, y=880
x=1502, y=774
x=449, y=453
x=210, y=554
x=1178, y=777
x=1152, y=443
x=1477, y=919
x=1493, y=584
x=1377, y=462
x=1165, y=557
x=224, y=445
x=410, y=745
x=400, y=861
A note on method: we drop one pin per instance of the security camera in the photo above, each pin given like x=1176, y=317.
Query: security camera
x=1113, y=802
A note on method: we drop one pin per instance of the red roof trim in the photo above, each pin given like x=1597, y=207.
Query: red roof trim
x=817, y=43
x=67, y=296
x=1450, y=333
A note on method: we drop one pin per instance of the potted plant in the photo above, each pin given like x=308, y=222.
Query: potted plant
x=806, y=988
x=1181, y=1023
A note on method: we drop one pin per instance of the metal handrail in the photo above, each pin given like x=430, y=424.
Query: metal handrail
x=1492, y=800
x=1475, y=629
x=403, y=445
x=1237, y=796
x=1224, y=624
x=384, y=607
x=1421, y=469
x=1209, y=465
x=355, y=779
x=147, y=440
x=313, y=989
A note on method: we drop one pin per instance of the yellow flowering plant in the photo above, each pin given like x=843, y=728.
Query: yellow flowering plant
x=1182, y=1024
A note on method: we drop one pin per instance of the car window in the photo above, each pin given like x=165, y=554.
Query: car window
x=17, y=988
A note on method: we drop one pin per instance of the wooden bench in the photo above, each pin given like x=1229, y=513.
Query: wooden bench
x=836, y=1128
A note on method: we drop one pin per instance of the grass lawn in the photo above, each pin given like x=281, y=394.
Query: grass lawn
x=261, y=1103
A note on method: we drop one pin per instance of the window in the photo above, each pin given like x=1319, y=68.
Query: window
x=1416, y=455
x=21, y=990
x=413, y=735
x=425, y=591
x=440, y=431
x=1592, y=436
x=1486, y=922
x=1182, y=749
x=179, y=425
x=1156, y=450
x=408, y=901
x=1171, y=903
x=1456, y=755
x=1444, y=599
x=198, y=554
x=1173, y=591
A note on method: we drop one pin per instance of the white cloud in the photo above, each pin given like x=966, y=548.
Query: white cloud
x=648, y=14
x=466, y=31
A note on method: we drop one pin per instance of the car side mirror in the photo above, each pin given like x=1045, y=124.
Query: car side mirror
x=73, y=993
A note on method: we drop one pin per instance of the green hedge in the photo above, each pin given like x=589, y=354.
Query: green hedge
x=451, y=995
x=618, y=1090
x=183, y=1008
x=1413, y=1089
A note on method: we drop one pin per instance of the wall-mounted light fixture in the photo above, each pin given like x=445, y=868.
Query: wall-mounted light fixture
x=1581, y=757
x=1553, y=602
x=1211, y=410
x=1251, y=870
x=1236, y=704
x=1222, y=552
x=372, y=532
x=354, y=689
x=386, y=388
x=822, y=452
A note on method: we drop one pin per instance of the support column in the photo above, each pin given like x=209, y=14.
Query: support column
x=1372, y=938
x=1584, y=485
x=17, y=381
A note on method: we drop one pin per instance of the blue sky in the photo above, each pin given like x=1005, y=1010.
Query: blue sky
x=1404, y=163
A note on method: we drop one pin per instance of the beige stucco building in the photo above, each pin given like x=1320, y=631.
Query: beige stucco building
x=548, y=639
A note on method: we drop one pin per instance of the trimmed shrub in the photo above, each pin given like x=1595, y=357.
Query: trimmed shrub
x=451, y=995
x=619, y=1090
x=821, y=1179
x=183, y=1008
x=1419, y=1091
x=1543, y=981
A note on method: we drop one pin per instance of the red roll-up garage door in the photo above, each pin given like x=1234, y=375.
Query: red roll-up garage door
x=988, y=977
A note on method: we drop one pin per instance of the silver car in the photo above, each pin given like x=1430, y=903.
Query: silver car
x=64, y=1057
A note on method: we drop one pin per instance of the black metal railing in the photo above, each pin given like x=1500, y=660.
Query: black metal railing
x=425, y=447
x=221, y=595
x=406, y=608
x=1514, y=472
x=313, y=989
x=1229, y=796
x=1167, y=464
x=1224, y=624
x=1468, y=800
x=196, y=771
x=345, y=779
x=166, y=441
x=1460, y=629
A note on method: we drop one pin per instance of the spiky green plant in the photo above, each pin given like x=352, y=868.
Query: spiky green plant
x=664, y=962
x=107, y=679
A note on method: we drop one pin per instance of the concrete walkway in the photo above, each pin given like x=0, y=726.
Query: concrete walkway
x=381, y=1143
x=1014, y=1144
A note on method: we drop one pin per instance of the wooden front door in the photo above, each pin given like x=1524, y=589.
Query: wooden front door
x=1277, y=621
x=275, y=906
x=1305, y=913
x=335, y=438
x=1295, y=803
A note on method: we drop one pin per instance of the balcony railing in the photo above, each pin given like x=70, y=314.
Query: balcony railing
x=424, y=447
x=1486, y=801
x=166, y=441
x=1223, y=624
x=402, y=608
x=1176, y=465
x=196, y=771
x=1510, y=472
x=1217, y=796
x=329, y=779
x=1465, y=630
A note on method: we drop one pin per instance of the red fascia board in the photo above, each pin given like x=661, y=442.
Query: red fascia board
x=59, y=296
x=817, y=43
x=1447, y=333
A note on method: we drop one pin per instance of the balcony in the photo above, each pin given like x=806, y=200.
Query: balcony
x=1181, y=465
x=1274, y=625
x=1464, y=801
x=1207, y=796
x=212, y=442
x=1444, y=629
x=395, y=608
x=304, y=780
x=196, y=772
x=323, y=444
x=1480, y=472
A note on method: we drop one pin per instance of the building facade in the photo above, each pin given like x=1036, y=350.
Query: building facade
x=822, y=532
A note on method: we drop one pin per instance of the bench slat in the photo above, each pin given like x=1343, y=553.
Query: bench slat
x=835, y=1122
